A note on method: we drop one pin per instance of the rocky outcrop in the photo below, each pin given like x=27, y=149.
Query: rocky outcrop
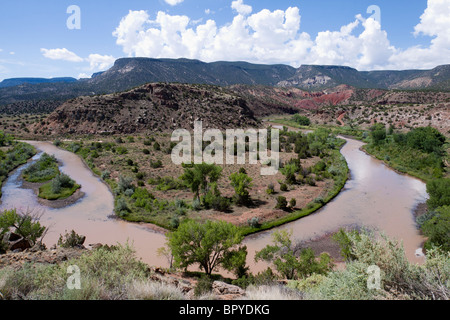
x=16, y=243
x=37, y=254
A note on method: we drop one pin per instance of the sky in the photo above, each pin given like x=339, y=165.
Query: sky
x=76, y=38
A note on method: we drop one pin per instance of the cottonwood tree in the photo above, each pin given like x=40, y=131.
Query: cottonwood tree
x=241, y=183
x=199, y=176
x=209, y=244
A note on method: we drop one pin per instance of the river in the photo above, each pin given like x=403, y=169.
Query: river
x=375, y=197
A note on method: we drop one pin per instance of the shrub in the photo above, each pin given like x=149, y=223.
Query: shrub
x=400, y=278
x=281, y=203
x=437, y=228
x=302, y=120
x=125, y=183
x=292, y=203
x=204, y=286
x=106, y=174
x=439, y=191
x=196, y=205
x=156, y=164
x=270, y=189
x=254, y=222
x=71, y=240
x=283, y=187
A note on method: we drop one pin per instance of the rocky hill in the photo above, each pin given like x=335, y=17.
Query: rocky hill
x=151, y=107
x=163, y=106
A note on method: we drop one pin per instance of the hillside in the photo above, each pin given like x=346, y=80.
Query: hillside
x=20, y=81
x=128, y=73
x=151, y=107
x=309, y=77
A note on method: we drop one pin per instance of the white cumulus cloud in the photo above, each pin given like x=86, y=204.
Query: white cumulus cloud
x=61, y=54
x=173, y=2
x=276, y=37
x=241, y=8
x=99, y=62
x=435, y=23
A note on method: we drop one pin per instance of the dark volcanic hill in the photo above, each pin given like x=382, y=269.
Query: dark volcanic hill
x=149, y=108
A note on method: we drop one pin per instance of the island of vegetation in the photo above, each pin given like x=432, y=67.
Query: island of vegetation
x=52, y=184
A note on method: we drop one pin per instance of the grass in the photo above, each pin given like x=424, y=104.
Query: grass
x=43, y=170
x=57, y=186
x=45, y=192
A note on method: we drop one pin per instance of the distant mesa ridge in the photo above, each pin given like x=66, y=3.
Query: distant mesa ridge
x=20, y=81
x=127, y=73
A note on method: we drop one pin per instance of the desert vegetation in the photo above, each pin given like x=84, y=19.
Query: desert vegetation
x=52, y=183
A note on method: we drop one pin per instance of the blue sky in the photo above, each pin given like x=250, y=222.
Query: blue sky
x=36, y=42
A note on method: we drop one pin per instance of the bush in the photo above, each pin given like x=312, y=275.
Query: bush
x=270, y=189
x=204, y=286
x=106, y=174
x=156, y=164
x=254, y=222
x=125, y=183
x=281, y=203
x=439, y=191
x=437, y=228
x=71, y=240
x=292, y=203
x=400, y=278
x=196, y=205
x=302, y=120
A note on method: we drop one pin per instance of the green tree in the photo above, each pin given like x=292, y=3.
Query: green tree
x=24, y=224
x=437, y=228
x=289, y=171
x=439, y=192
x=344, y=240
x=378, y=134
x=427, y=139
x=281, y=203
x=292, y=261
x=209, y=244
x=302, y=120
x=199, y=176
x=241, y=183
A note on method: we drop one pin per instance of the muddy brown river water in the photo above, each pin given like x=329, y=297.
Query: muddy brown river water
x=375, y=197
